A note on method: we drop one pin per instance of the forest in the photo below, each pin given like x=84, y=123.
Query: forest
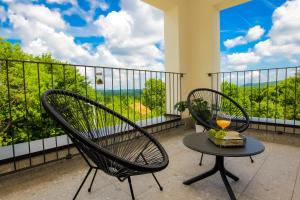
x=23, y=83
x=277, y=101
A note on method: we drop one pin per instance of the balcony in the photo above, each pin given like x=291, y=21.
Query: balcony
x=31, y=153
x=273, y=175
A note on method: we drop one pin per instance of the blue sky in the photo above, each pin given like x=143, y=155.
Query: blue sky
x=257, y=34
x=237, y=20
x=113, y=33
x=260, y=34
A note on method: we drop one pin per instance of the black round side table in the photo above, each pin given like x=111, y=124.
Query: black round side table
x=200, y=142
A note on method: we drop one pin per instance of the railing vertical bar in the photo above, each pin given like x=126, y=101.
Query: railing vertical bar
x=268, y=79
x=112, y=90
x=95, y=84
x=68, y=139
x=52, y=86
x=295, y=99
x=230, y=83
x=161, y=100
x=251, y=92
x=237, y=84
x=151, y=103
x=140, y=82
x=276, y=82
x=166, y=100
x=259, y=79
x=40, y=107
x=151, y=99
x=127, y=93
x=10, y=114
x=26, y=113
x=223, y=74
x=156, y=119
x=285, y=86
x=146, y=98
x=120, y=92
x=113, y=97
x=86, y=83
x=244, y=95
x=133, y=74
x=104, y=86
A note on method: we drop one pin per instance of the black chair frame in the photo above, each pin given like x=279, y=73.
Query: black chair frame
x=208, y=126
x=79, y=141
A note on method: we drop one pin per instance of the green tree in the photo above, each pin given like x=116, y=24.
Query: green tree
x=154, y=95
x=26, y=81
x=280, y=101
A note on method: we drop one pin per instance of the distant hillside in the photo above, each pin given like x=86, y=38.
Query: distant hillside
x=130, y=92
x=263, y=84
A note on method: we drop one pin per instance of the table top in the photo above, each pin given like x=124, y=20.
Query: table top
x=200, y=142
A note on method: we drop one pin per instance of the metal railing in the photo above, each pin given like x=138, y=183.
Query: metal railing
x=270, y=96
x=28, y=137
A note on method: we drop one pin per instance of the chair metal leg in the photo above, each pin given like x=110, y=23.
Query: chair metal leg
x=160, y=187
x=131, y=190
x=252, y=161
x=88, y=173
x=201, y=159
x=91, y=184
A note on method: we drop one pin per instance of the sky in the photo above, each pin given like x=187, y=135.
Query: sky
x=129, y=33
x=260, y=34
x=116, y=33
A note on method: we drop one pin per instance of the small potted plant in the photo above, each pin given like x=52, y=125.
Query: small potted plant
x=200, y=106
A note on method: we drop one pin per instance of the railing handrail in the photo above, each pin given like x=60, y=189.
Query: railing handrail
x=252, y=70
x=91, y=66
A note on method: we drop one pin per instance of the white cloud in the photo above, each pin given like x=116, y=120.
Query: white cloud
x=284, y=34
x=286, y=24
x=284, y=37
x=38, y=13
x=253, y=34
x=235, y=41
x=131, y=35
x=238, y=59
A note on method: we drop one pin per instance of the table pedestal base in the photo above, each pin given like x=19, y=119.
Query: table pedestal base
x=219, y=166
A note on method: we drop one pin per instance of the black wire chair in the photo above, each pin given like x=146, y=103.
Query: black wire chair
x=204, y=105
x=105, y=139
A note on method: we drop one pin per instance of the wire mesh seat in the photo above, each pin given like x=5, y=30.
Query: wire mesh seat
x=106, y=140
x=204, y=105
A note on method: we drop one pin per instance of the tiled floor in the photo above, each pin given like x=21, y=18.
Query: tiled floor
x=274, y=175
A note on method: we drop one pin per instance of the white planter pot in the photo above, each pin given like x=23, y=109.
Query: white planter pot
x=199, y=128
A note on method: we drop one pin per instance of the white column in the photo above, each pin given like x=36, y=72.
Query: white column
x=192, y=39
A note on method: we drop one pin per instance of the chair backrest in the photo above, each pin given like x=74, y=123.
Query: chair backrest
x=205, y=104
x=106, y=137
